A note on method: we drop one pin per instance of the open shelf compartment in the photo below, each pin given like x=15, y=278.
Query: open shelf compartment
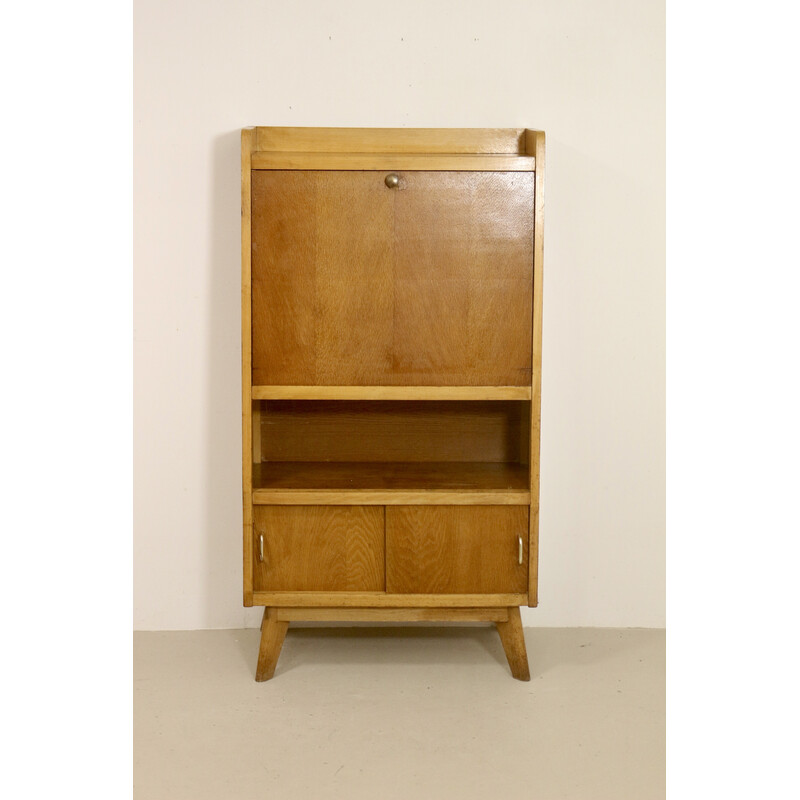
x=363, y=452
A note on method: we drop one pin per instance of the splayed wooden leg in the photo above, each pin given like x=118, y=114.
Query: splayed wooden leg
x=273, y=632
x=514, y=644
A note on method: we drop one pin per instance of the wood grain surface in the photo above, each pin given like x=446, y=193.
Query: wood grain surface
x=343, y=430
x=456, y=549
x=322, y=278
x=358, y=284
x=389, y=497
x=248, y=433
x=508, y=141
x=319, y=548
x=370, y=161
x=273, y=632
x=453, y=476
x=393, y=614
x=535, y=141
x=296, y=392
x=386, y=600
x=513, y=638
x=463, y=278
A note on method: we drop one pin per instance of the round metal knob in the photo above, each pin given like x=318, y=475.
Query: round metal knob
x=392, y=180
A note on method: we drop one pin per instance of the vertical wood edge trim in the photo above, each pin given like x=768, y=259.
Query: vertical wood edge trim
x=385, y=552
x=248, y=142
x=535, y=141
x=256, y=426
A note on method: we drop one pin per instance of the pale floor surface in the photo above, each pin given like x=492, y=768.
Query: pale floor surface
x=406, y=713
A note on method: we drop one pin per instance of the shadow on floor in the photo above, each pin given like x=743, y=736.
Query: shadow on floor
x=548, y=649
x=385, y=644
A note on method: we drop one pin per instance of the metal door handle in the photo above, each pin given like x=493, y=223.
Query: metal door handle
x=520, y=549
x=392, y=180
x=261, y=547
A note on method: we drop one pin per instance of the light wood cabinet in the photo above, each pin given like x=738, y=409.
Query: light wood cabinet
x=391, y=343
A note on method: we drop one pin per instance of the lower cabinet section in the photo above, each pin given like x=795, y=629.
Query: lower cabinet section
x=456, y=549
x=318, y=548
x=459, y=549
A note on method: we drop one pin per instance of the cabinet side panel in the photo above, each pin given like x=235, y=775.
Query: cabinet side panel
x=536, y=142
x=248, y=136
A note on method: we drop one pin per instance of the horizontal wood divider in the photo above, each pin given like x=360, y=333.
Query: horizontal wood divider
x=390, y=161
x=512, y=141
x=499, y=614
x=385, y=600
x=391, y=392
x=379, y=497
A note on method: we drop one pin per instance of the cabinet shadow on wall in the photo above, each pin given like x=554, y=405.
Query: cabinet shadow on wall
x=221, y=417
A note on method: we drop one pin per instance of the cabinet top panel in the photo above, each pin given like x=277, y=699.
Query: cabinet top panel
x=434, y=141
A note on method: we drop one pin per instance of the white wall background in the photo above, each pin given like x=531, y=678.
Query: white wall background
x=588, y=72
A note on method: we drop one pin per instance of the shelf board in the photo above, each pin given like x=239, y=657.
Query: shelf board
x=381, y=483
x=386, y=600
x=389, y=614
x=388, y=161
x=391, y=393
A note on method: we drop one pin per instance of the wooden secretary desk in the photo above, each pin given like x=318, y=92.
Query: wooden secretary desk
x=391, y=363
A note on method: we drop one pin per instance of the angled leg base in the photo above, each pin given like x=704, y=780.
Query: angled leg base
x=514, y=644
x=273, y=632
x=275, y=623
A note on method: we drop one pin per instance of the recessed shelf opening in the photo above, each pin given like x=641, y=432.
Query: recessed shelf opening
x=384, y=447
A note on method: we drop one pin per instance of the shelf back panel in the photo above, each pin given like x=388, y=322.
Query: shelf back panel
x=392, y=431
